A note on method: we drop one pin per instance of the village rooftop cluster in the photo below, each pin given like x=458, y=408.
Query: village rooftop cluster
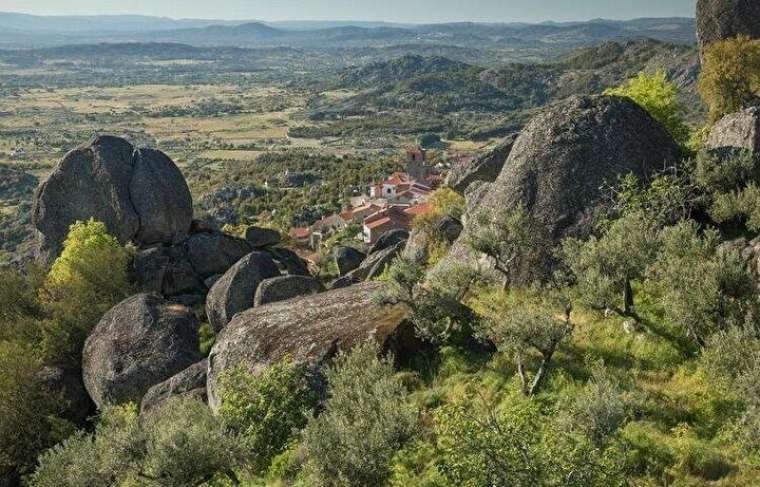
x=390, y=204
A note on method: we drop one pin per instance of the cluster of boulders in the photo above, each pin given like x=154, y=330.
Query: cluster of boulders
x=139, y=194
x=355, y=266
x=146, y=348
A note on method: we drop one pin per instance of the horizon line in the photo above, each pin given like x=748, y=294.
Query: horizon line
x=251, y=20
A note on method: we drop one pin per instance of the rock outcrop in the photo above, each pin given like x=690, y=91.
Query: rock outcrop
x=725, y=19
x=236, y=289
x=138, y=194
x=417, y=248
x=191, y=382
x=485, y=167
x=376, y=263
x=259, y=238
x=167, y=271
x=347, y=259
x=140, y=342
x=739, y=130
x=160, y=197
x=288, y=261
x=285, y=287
x=389, y=239
x=307, y=330
x=215, y=252
x=561, y=161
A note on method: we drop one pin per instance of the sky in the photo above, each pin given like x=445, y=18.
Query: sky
x=370, y=10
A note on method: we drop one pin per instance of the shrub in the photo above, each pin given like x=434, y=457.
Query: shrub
x=443, y=202
x=88, y=278
x=702, y=290
x=187, y=445
x=606, y=267
x=435, y=306
x=267, y=410
x=365, y=421
x=669, y=197
x=732, y=360
x=528, y=328
x=599, y=410
x=179, y=444
x=659, y=97
x=28, y=415
x=100, y=459
x=516, y=447
x=446, y=201
x=730, y=77
x=505, y=236
x=20, y=308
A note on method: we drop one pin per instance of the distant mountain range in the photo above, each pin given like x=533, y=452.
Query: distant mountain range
x=23, y=31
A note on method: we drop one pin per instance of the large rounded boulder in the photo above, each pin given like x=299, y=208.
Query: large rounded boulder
x=160, y=197
x=139, y=195
x=560, y=163
x=236, y=290
x=307, y=330
x=140, y=342
x=718, y=20
x=91, y=181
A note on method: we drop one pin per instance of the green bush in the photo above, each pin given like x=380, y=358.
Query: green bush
x=29, y=420
x=482, y=446
x=702, y=290
x=179, y=444
x=659, y=97
x=607, y=267
x=730, y=76
x=267, y=410
x=530, y=329
x=505, y=236
x=86, y=280
x=599, y=410
x=435, y=306
x=366, y=420
x=101, y=459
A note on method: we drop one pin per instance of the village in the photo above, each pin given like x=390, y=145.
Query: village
x=390, y=204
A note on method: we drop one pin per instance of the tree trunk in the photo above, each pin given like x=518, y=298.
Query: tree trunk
x=523, y=378
x=539, y=378
x=628, y=306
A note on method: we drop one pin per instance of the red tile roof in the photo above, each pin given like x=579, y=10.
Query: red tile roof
x=418, y=209
x=299, y=233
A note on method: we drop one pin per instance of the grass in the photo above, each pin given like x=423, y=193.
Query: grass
x=678, y=434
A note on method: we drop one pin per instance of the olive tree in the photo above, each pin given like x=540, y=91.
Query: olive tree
x=435, y=303
x=504, y=236
x=531, y=330
x=703, y=289
x=366, y=420
x=606, y=267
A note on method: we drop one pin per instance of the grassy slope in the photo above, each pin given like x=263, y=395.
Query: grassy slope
x=678, y=432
